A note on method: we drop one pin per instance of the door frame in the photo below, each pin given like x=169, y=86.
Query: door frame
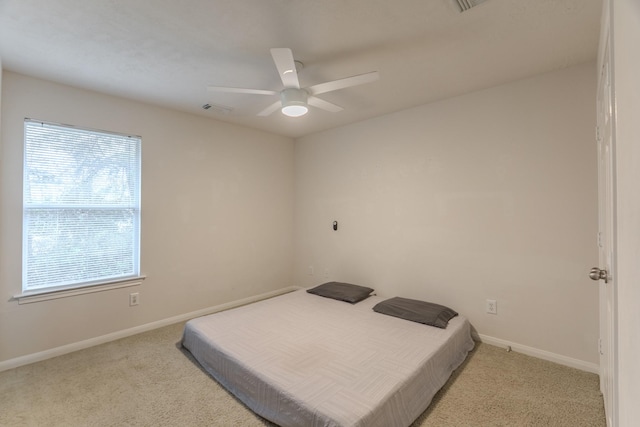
x=607, y=249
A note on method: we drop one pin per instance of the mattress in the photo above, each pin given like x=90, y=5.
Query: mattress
x=303, y=360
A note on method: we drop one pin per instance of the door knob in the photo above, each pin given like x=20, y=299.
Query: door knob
x=597, y=274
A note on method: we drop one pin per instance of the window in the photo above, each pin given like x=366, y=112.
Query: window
x=81, y=207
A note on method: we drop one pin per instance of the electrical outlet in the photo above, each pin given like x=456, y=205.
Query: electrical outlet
x=492, y=306
x=311, y=270
x=134, y=299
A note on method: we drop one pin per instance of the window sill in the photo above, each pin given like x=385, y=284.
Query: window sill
x=49, y=294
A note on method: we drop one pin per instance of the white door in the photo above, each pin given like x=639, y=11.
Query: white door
x=605, y=272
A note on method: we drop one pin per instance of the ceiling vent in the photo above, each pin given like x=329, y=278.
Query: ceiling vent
x=465, y=5
x=219, y=109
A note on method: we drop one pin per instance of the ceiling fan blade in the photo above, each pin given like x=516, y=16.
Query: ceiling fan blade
x=286, y=66
x=240, y=90
x=270, y=109
x=343, y=83
x=324, y=105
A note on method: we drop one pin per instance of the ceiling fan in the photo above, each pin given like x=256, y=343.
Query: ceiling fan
x=294, y=100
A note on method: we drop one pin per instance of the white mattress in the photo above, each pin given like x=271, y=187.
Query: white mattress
x=303, y=360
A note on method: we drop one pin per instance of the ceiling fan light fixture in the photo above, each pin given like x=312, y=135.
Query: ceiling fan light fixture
x=295, y=110
x=294, y=102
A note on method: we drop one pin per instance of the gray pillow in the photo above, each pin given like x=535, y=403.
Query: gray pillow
x=342, y=291
x=417, y=311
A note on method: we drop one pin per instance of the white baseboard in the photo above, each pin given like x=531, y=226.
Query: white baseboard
x=69, y=348
x=540, y=354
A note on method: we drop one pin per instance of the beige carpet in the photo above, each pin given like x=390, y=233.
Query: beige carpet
x=146, y=380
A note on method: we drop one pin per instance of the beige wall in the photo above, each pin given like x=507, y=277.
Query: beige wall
x=217, y=209
x=488, y=195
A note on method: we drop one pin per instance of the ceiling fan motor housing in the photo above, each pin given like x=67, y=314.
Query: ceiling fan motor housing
x=294, y=102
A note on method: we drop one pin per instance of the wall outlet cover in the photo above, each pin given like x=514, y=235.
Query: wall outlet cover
x=492, y=306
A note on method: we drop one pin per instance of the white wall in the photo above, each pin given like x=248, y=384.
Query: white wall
x=626, y=33
x=488, y=195
x=217, y=209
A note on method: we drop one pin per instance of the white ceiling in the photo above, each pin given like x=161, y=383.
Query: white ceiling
x=166, y=52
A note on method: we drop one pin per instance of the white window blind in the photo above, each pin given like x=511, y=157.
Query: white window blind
x=81, y=206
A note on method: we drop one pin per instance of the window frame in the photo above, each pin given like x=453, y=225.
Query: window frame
x=41, y=293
